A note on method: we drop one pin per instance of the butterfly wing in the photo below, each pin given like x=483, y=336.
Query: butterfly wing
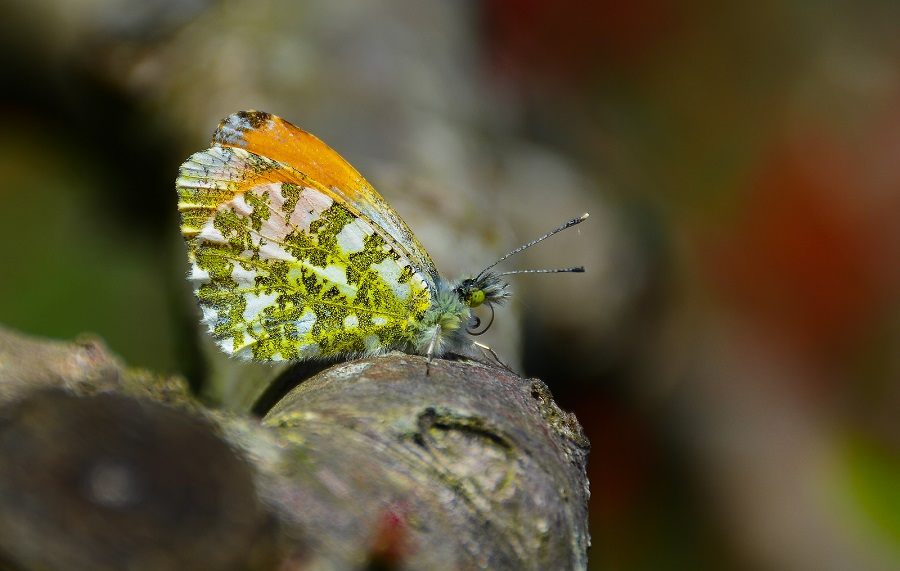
x=284, y=269
x=271, y=136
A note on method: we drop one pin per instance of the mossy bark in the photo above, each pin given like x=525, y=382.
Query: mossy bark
x=382, y=463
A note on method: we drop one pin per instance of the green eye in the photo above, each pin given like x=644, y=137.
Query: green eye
x=475, y=298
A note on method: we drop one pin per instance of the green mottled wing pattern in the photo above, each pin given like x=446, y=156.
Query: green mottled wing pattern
x=284, y=270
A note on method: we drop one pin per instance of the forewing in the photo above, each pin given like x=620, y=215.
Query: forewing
x=283, y=270
x=270, y=136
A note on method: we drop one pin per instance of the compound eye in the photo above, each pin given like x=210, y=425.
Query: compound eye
x=475, y=298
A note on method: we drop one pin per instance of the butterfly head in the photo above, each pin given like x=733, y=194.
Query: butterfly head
x=490, y=288
x=486, y=288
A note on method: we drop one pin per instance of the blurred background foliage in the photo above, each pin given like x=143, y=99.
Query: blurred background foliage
x=733, y=349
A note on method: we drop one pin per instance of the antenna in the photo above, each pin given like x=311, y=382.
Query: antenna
x=577, y=270
x=565, y=226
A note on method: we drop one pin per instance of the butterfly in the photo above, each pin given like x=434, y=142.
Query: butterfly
x=293, y=255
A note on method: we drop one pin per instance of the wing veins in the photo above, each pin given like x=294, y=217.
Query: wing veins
x=258, y=262
x=291, y=288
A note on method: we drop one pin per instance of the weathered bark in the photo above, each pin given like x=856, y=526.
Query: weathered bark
x=477, y=467
x=96, y=473
x=381, y=463
x=112, y=482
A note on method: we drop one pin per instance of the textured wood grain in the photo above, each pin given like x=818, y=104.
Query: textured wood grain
x=478, y=465
x=383, y=463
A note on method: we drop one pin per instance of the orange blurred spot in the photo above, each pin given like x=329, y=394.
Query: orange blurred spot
x=391, y=542
x=802, y=258
x=570, y=39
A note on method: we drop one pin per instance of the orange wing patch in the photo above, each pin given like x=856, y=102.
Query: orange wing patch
x=271, y=136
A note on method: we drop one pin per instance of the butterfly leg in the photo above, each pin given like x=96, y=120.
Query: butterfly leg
x=488, y=352
x=432, y=346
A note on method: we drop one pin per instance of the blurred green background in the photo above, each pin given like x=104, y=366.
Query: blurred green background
x=734, y=349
